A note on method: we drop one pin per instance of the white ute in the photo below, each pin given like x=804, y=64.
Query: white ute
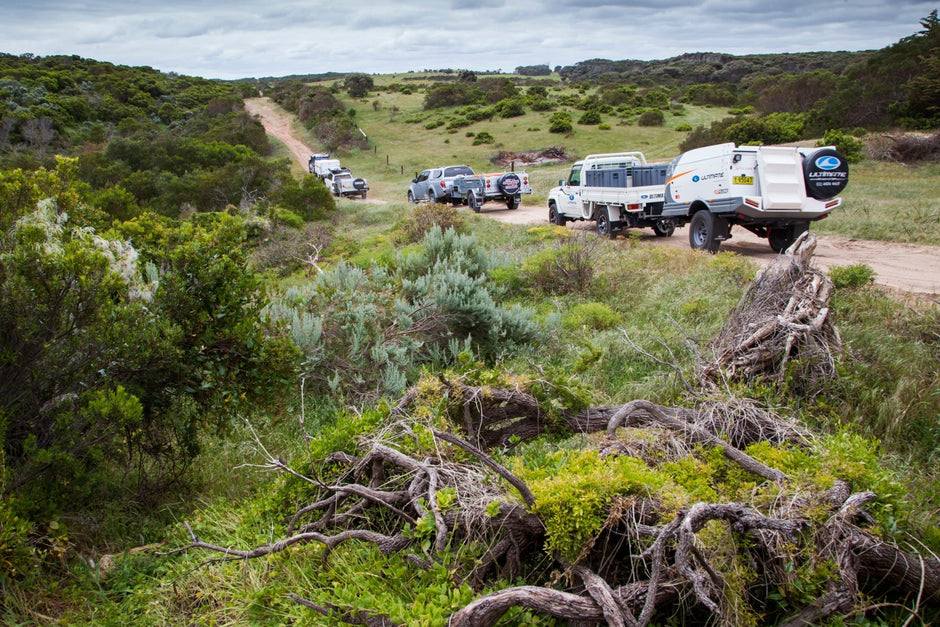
x=617, y=190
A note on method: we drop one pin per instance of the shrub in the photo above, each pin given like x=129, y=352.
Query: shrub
x=651, y=118
x=483, y=137
x=560, y=122
x=426, y=216
x=852, y=276
x=684, y=127
x=590, y=118
x=850, y=147
x=596, y=316
x=566, y=268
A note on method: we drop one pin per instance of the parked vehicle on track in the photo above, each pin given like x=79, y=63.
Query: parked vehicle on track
x=342, y=183
x=435, y=184
x=474, y=190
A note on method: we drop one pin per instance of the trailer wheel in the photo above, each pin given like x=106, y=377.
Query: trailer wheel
x=664, y=228
x=702, y=231
x=512, y=202
x=473, y=203
x=363, y=194
x=781, y=238
x=554, y=217
x=604, y=228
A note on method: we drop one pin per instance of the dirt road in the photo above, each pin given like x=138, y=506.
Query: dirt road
x=904, y=267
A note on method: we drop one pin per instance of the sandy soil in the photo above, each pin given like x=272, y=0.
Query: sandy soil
x=903, y=267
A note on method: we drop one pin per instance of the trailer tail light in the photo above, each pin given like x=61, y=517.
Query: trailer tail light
x=489, y=183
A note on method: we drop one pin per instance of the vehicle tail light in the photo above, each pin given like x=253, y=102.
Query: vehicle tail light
x=443, y=185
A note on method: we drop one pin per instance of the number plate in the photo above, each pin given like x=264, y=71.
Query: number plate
x=742, y=180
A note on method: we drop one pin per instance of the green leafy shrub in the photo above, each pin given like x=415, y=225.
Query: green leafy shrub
x=573, y=489
x=651, y=118
x=590, y=117
x=849, y=146
x=684, y=127
x=852, y=276
x=483, y=137
x=596, y=316
x=560, y=122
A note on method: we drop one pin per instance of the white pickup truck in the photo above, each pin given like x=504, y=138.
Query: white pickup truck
x=617, y=190
x=772, y=191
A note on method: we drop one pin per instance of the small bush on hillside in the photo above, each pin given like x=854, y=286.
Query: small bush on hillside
x=590, y=118
x=426, y=216
x=683, y=128
x=483, y=137
x=560, y=122
x=853, y=276
x=651, y=118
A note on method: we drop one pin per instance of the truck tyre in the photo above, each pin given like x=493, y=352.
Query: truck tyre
x=702, y=231
x=509, y=184
x=554, y=217
x=431, y=197
x=825, y=173
x=664, y=228
x=411, y=196
x=604, y=227
x=473, y=203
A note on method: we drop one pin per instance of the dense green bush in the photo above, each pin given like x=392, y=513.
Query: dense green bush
x=651, y=118
x=560, y=122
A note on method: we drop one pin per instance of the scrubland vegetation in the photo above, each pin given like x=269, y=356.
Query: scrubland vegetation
x=197, y=342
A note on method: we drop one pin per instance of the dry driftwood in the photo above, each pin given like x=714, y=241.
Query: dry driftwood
x=638, y=565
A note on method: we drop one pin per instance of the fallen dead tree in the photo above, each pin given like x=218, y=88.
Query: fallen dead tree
x=643, y=562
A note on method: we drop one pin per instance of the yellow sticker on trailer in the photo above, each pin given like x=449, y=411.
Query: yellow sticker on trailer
x=742, y=180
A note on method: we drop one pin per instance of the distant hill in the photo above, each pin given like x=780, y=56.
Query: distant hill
x=710, y=67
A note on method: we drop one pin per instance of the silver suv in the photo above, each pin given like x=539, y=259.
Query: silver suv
x=435, y=185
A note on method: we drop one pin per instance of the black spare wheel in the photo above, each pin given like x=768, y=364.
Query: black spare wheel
x=825, y=173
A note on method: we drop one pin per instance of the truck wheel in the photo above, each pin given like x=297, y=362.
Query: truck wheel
x=431, y=198
x=664, y=228
x=702, y=231
x=473, y=203
x=411, y=197
x=362, y=194
x=554, y=217
x=604, y=228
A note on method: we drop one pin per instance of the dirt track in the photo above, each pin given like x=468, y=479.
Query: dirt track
x=904, y=267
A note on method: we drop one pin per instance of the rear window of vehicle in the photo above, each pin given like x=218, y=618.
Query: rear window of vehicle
x=457, y=170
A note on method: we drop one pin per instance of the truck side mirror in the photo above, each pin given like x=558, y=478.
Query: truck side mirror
x=414, y=180
x=561, y=182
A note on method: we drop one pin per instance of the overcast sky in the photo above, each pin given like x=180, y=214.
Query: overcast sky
x=258, y=38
